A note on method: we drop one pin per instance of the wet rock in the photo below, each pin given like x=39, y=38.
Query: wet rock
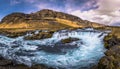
x=4, y=62
x=8, y=64
x=69, y=40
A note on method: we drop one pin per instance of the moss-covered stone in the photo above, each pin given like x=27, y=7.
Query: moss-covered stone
x=68, y=40
x=111, y=40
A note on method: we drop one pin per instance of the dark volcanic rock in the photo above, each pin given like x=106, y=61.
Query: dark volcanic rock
x=4, y=62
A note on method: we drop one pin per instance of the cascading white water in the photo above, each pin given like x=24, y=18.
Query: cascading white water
x=89, y=49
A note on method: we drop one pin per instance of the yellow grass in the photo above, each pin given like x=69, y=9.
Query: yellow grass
x=67, y=22
x=15, y=25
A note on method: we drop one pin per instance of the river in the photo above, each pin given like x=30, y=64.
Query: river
x=79, y=54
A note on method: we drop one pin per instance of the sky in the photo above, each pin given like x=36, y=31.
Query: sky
x=100, y=11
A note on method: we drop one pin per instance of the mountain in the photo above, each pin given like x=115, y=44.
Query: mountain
x=45, y=19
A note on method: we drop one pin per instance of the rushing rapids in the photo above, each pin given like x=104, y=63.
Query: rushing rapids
x=82, y=53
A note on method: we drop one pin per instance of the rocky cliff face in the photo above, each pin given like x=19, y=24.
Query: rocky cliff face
x=44, y=19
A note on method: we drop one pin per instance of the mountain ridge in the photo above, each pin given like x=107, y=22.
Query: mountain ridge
x=46, y=19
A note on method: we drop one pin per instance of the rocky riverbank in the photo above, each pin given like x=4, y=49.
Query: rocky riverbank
x=111, y=60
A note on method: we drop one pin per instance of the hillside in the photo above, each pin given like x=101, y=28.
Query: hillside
x=16, y=24
x=45, y=19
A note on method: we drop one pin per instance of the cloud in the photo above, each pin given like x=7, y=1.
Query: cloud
x=50, y=4
x=107, y=13
x=14, y=2
x=32, y=1
x=116, y=24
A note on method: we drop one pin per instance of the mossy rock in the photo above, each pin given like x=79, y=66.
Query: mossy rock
x=111, y=40
x=69, y=40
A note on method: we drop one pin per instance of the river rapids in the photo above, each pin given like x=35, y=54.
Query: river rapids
x=79, y=54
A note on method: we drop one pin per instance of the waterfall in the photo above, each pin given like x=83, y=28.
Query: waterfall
x=88, y=50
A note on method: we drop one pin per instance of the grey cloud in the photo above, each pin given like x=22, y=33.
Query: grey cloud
x=108, y=12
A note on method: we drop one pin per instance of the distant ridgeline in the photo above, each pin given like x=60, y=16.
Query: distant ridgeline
x=45, y=19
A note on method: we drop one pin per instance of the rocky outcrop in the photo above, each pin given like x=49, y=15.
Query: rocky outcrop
x=110, y=41
x=8, y=64
x=69, y=40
